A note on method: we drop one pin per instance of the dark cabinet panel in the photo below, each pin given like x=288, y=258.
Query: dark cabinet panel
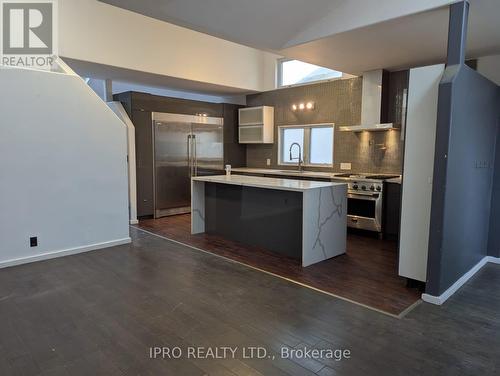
x=155, y=103
x=144, y=160
x=392, y=209
x=259, y=217
x=231, y=122
x=397, y=92
x=126, y=100
x=235, y=153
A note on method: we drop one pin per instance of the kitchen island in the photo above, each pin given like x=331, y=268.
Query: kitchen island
x=306, y=220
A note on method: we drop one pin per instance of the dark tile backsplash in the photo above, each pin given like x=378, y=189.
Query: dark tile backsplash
x=337, y=102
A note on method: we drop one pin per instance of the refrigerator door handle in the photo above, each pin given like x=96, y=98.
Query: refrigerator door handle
x=195, y=157
x=190, y=166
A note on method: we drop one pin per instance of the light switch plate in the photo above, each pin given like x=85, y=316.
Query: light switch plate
x=345, y=166
x=268, y=162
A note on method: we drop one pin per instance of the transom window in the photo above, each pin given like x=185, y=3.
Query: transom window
x=296, y=72
x=315, y=141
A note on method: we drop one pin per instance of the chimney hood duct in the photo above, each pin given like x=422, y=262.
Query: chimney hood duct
x=372, y=107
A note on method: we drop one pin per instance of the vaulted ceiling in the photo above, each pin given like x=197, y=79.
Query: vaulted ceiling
x=275, y=24
x=348, y=35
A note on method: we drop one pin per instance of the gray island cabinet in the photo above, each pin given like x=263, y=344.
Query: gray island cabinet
x=306, y=220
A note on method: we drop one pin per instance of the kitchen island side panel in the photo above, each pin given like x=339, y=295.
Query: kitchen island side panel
x=325, y=223
x=197, y=207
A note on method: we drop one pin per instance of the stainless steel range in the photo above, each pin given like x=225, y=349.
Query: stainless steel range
x=365, y=195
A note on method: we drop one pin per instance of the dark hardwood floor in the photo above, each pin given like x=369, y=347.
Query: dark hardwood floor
x=98, y=313
x=366, y=274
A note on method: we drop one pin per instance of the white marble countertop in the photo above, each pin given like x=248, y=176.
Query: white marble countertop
x=309, y=174
x=269, y=183
x=269, y=171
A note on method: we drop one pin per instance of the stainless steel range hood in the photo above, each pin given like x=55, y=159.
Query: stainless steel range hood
x=368, y=127
x=371, y=105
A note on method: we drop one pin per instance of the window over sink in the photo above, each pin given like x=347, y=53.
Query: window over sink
x=315, y=141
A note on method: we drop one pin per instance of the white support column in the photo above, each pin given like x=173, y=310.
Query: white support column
x=418, y=171
x=118, y=109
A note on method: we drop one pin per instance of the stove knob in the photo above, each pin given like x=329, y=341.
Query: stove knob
x=372, y=188
x=379, y=188
x=363, y=187
x=355, y=186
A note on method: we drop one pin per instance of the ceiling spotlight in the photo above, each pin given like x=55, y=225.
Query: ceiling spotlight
x=310, y=105
x=294, y=107
x=302, y=106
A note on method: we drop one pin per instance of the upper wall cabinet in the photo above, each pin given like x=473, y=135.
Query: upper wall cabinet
x=256, y=125
x=397, y=97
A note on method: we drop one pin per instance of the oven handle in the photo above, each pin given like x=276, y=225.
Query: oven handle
x=364, y=196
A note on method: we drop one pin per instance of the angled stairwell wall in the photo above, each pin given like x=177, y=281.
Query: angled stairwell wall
x=494, y=235
x=63, y=168
x=464, y=169
x=463, y=176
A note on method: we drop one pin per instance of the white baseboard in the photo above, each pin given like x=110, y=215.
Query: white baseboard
x=438, y=300
x=432, y=299
x=64, y=252
x=494, y=260
x=134, y=222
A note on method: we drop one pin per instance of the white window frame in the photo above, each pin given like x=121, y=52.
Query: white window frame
x=306, y=152
x=279, y=78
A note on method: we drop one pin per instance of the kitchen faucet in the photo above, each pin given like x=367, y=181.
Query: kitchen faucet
x=300, y=154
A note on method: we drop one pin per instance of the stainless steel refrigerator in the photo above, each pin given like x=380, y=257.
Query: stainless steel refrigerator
x=184, y=146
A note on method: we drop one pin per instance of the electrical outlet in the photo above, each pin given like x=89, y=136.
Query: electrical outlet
x=481, y=164
x=34, y=241
x=268, y=162
x=345, y=166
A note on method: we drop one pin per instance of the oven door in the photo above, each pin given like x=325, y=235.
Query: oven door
x=364, y=211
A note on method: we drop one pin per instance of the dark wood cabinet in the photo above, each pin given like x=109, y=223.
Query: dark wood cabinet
x=392, y=210
x=140, y=107
x=144, y=161
x=235, y=153
x=157, y=103
x=397, y=94
x=394, y=96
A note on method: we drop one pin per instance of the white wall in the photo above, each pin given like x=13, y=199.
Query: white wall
x=418, y=170
x=62, y=165
x=96, y=32
x=489, y=66
x=118, y=109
